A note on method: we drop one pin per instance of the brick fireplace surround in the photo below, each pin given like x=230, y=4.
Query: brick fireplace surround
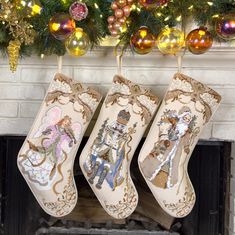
x=22, y=92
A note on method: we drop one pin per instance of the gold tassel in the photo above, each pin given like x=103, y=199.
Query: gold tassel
x=13, y=53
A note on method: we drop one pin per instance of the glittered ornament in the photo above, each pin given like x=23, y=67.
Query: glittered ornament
x=225, y=26
x=78, y=11
x=13, y=50
x=77, y=44
x=199, y=41
x=61, y=26
x=170, y=41
x=29, y=7
x=143, y=41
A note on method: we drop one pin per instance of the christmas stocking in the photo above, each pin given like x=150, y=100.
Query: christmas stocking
x=188, y=105
x=47, y=156
x=105, y=160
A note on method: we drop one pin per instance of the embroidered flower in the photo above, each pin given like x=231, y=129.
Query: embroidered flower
x=120, y=88
x=210, y=100
x=59, y=86
x=91, y=102
x=148, y=103
x=178, y=84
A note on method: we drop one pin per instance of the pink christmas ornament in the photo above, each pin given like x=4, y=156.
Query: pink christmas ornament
x=111, y=19
x=110, y=27
x=78, y=11
x=114, y=6
x=117, y=25
x=127, y=11
x=122, y=20
x=119, y=13
x=114, y=32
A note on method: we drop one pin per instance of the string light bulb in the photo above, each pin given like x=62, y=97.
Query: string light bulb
x=191, y=8
x=215, y=16
x=179, y=18
x=167, y=18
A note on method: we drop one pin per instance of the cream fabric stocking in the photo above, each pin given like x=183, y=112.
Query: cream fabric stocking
x=47, y=156
x=105, y=160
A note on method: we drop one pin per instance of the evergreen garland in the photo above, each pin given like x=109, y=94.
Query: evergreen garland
x=175, y=12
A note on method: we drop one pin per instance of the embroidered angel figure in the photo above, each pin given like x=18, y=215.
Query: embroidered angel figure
x=49, y=147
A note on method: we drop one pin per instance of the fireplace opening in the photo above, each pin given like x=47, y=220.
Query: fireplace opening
x=209, y=170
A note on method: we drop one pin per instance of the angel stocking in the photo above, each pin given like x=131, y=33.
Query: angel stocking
x=47, y=155
x=188, y=105
x=105, y=160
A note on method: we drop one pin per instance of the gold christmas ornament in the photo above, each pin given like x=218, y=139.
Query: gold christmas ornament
x=199, y=41
x=13, y=54
x=142, y=41
x=77, y=43
x=170, y=41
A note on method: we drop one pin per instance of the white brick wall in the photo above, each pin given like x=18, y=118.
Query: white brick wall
x=21, y=93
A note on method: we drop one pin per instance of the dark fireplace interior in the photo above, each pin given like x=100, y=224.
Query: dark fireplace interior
x=209, y=170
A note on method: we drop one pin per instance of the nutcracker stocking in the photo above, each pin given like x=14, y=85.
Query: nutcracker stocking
x=187, y=107
x=105, y=160
x=47, y=156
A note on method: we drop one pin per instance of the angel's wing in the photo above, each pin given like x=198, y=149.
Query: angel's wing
x=51, y=117
x=77, y=129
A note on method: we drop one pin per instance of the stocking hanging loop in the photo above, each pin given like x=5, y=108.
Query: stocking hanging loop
x=179, y=61
x=59, y=63
x=119, y=55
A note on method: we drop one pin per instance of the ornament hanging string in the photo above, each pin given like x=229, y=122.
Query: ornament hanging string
x=59, y=63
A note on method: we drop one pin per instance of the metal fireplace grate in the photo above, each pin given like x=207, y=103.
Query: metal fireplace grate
x=209, y=169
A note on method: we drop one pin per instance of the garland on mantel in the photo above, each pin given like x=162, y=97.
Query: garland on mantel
x=48, y=27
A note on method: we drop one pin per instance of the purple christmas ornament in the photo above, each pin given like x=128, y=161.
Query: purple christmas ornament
x=78, y=11
x=225, y=26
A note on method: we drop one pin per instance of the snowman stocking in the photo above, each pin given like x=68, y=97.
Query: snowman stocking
x=188, y=105
x=105, y=160
x=47, y=156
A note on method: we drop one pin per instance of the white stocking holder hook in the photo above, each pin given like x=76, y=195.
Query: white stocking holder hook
x=119, y=64
x=119, y=60
x=59, y=63
x=179, y=61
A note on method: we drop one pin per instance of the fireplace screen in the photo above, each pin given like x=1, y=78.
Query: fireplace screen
x=209, y=170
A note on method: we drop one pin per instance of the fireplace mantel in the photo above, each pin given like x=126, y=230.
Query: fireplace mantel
x=22, y=92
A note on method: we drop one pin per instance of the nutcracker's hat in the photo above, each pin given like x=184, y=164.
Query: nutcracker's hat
x=123, y=117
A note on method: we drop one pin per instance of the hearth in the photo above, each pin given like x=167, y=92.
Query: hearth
x=209, y=169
